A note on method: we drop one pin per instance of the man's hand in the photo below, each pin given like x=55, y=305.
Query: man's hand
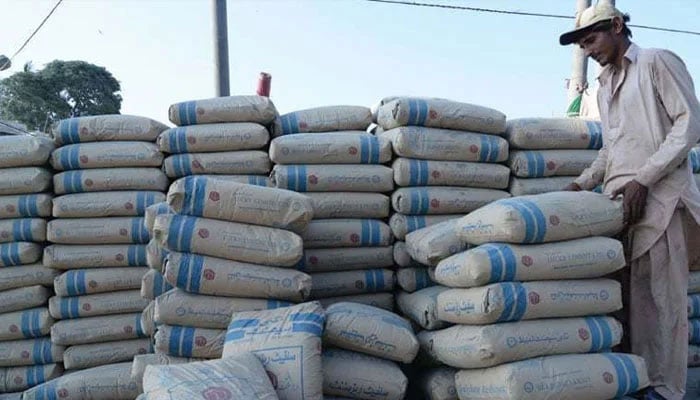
x=634, y=201
x=572, y=187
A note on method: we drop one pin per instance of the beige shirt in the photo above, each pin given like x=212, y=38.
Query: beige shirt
x=651, y=119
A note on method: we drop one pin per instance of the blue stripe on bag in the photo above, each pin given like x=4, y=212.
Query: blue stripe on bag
x=509, y=261
x=196, y=273
x=36, y=351
x=528, y=218
x=175, y=232
x=181, y=137
x=631, y=373
x=531, y=164
x=422, y=111
x=187, y=341
x=622, y=378
x=182, y=113
x=14, y=253
x=301, y=177
x=192, y=112
x=74, y=306
x=364, y=150
x=80, y=279
x=174, y=341
x=200, y=187
x=508, y=297
x=25, y=324
x=495, y=149
x=539, y=218
x=374, y=150
x=521, y=302
x=495, y=261
x=379, y=280
x=594, y=329
x=412, y=112
x=369, y=280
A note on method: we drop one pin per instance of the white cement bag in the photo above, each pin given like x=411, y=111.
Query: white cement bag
x=401, y=256
x=94, y=256
x=214, y=137
x=333, y=178
x=324, y=119
x=354, y=147
x=24, y=180
x=230, y=162
x=345, y=283
x=413, y=172
x=543, y=163
x=106, y=155
x=229, y=240
x=19, y=253
x=257, y=180
x=122, y=302
x=185, y=341
x=421, y=306
x=446, y=145
x=360, y=376
x=257, y=109
x=105, y=204
x=380, y=300
x=694, y=306
x=18, y=396
x=20, y=378
x=349, y=205
x=22, y=230
x=402, y=224
x=692, y=388
x=430, y=245
x=78, y=282
x=110, y=179
x=571, y=377
x=526, y=186
x=413, y=278
x=239, y=202
x=24, y=151
x=219, y=277
x=346, y=258
x=27, y=324
x=156, y=256
x=693, y=356
x=514, y=301
x=111, y=230
x=100, y=329
x=99, y=383
x=591, y=257
x=554, y=133
x=693, y=282
x=92, y=355
x=153, y=284
x=443, y=199
x=694, y=331
x=29, y=352
x=439, y=384
x=23, y=298
x=154, y=210
x=370, y=330
x=27, y=275
x=332, y=233
x=288, y=343
x=25, y=206
x=440, y=113
x=141, y=361
x=103, y=128
x=543, y=218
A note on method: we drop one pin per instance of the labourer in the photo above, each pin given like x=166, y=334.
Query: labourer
x=651, y=119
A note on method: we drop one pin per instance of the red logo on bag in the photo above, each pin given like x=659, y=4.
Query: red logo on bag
x=436, y=174
x=303, y=125
x=583, y=334
x=196, y=164
x=203, y=233
x=83, y=131
x=92, y=284
x=435, y=203
x=584, y=136
x=209, y=274
x=63, y=393
x=313, y=259
x=527, y=261
x=84, y=159
x=14, y=328
x=25, y=354
x=474, y=148
x=119, y=257
x=217, y=393
x=10, y=208
x=5, y=234
x=214, y=196
x=128, y=206
x=551, y=165
x=200, y=341
x=354, y=238
x=142, y=350
x=554, y=220
x=128, y=329
x=191, y=140
x=123, y=232
x=313, y=179
x=19, y=380
x=608, y=377
x=88, y=182
x=352, y=150
x=200, y=111
x=87, y=307
x=433, y=114
x=534, y=298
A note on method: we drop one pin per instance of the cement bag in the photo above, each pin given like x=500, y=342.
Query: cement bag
x=25, y=206
x=692, y=388
x=110, y=179
x=105, y=204
x=412, y=172
x=413, y=278
x=154, y=210
x=231, y=240
x=401, y=256
x=430, y=245
x=694, y=158
x=29, y=352
x=92, y=305
x=514, y=301
x=693, y=355
x=19, y=253
x=554, y=133
x=106, y=155
x=257, y=180
x=543, y=163
x=349, y=205
x=147, y=322
x=331, y=233
x=360, y=376
x=240, y=377
x=324, y=119
x=257, y=109
x=439, y=384
x=14, y=379
x=94, y=256
x=693, y=282
x=185, y=341
x=78, y=282
x=354, y=147
x=22, y=230
x=574, y=377
x=23, y=298
x=177, y=307
x=105, y=382
x=24, y=151
x=112, y=230
x=27, y=275
x=526, y=186
x=547, y=217
x=213, y=138
x=694, y=306
x=239, y=202
x=27, y=324
x=92, y=355
x=381, y=300
x=333, y=178
x=401, y=224
x=141, y=361
x=443, y=199
x=345, y=283
x=219, y=277
x=103, y=128
x=156, y=256
x=421, y=306
x=288, y=343
x=440, y=113
x=694, y=331
x=18, y=396
x=153, y=284
x=97, y=329
x=346, y=258
x=24, y=180
x=370, y=330
x=441, y=144
x=230, y=162
x=591, y=257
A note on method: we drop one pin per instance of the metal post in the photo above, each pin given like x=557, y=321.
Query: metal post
x=221, y=48
x=579, y=69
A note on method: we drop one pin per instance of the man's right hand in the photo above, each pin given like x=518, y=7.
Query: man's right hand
x=572, y=187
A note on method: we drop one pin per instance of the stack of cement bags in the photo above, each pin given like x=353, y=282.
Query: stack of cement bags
x=27, y=356
x=111, y=175
x=326, y=153
x=549, y=153
x=528, y=302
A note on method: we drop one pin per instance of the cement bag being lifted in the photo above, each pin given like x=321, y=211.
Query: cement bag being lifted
x=22, y=229
x=97, y=329
x=105, y=382
x=554, y=133
x=229, y=240
x=23, y=298
x=439, y=384
x=359, y=376
x=257, y=109
x=26, y=324
x=332, y=233
x=440, y=113
x=213, y=138
x=370, y=330
x=443, y=199
x=29, y=352
x=547, y=217
x=231, y=162
x=543, y=163
x=354, y=147
x=97, y=304
x=24, y=151
x=526, y=186
x=591, y=257
x=94, y=256
x=14, y=379
x=27, y=275
x=110, y=179
x=514, y=301
x=105, y=204
x=91, y=355
x=345, y=283
x=25, y=206
x=19, y=253
x=430, y=245
x=349, y=205
x=571, y=377
x=288, y=342
x=112, y=230
x=106, y=155
x=412, y=172
x=184, y=341
x=402, y=224
x=24, y=180
x=421, y=306
x=324, y=119
x=333, y=178
x=237, y=202
x=346, y=258
x=446, y=145
x=384, y=301
x=103, y=128
x=78, y=282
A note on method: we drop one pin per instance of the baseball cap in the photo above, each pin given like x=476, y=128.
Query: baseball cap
x=602, y=11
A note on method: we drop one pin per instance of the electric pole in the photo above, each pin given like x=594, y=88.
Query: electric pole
x=221, y=48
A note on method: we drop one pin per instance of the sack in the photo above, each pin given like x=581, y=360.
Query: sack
x=101, y=128
x=430, y=245
x=185, y=341
x=257, y=109
x=22, y=230
x=106, y=155
x=20, y=378
x=153, y=284
x=694, y=331
x=413, y=172
x=542, y=218
x=27, y=275
x=333, y=178
x=380, y=300
x=345, y=283
x=24, y=180
x=26, y=324
x=401, y=256
x=92, y=355
x=324, y=119
x=439, y=384
x=692, y=388
x=332, y=233
x=24, y=151
x=359, y=376
x=110, y=179
x=23, y=298
x=141, y=361
x=421, y=306
x=100, y=329
x=349, y=205
x=92, y=305
x=345, y=258
x=39, y=351
x=230, y=162
x=112, y=230
x=154, y=210
x=354, y=147
x=413, y=278
x=402, y=224
x=693, y=282
x=443, y=199
x=78, y=282
x=214, y=137
x=446, y=145
x=25, y=206
x=156, y=256
x=693, y=355
x=554, y=133
x=105, y=204
x=147, y=321
x=94, y=256
x=19, y=253
x=694, y=306
x=105, y=382
x=528, y=186
x=542, y=163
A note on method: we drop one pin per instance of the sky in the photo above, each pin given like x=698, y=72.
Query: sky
x=331, y=52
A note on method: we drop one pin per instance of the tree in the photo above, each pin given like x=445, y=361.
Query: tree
x=63, y=89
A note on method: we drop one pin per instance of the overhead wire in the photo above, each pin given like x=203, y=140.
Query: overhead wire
x=26, y=42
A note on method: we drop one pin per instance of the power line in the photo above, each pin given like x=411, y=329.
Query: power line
x=528, y=14
x=34, y=33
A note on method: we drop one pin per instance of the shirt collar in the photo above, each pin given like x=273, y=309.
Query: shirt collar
x=631, y=55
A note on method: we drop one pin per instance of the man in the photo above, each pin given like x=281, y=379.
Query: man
x=651, y=119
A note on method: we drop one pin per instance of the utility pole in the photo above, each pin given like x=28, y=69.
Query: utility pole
x=579, y=70
x=221, y=48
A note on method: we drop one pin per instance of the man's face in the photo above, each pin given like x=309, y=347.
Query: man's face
x=599, y=45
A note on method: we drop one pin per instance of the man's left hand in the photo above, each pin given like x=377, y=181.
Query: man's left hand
x=634, y=201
